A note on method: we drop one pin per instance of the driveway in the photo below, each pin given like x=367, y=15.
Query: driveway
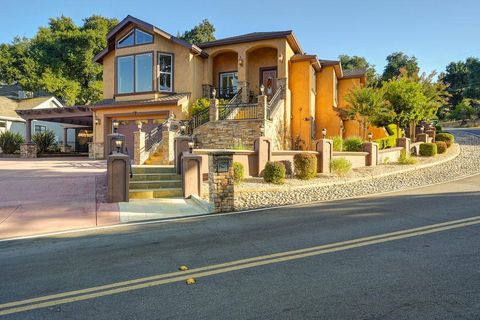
x=50, y=194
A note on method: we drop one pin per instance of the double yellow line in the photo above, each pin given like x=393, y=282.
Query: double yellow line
x=140, y=283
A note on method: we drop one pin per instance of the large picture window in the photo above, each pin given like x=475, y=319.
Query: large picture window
x=134, y=38
x=135, y=73
x=165, y=77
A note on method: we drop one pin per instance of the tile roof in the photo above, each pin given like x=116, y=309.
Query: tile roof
x=329, y=62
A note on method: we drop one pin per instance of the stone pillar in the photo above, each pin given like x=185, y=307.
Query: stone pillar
x=118, y=171
x=28, y=150
x=405, y=144
x=262, y=112
x=372, y=157
x=324, y=147
x=220, y=181
x=191, y=175
x=180, y=145
x=111, y=145
x=168, y=145
x=28, y=131
x=138, y=147
x=422, y=137
x=263, y=148
x=431, y=134
x=245, y=95
x=213, y=110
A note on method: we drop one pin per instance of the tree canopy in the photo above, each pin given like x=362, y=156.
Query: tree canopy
x=202, y=32
x=399, y=63
x=358, y=62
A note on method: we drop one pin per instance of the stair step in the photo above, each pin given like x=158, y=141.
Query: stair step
x=155, y=176
x=153, y=169
x=155, y=193
x=155, y=184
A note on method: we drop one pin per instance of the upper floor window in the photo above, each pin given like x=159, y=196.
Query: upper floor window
x=165, y=76
x=135, y=73
x=134, y=38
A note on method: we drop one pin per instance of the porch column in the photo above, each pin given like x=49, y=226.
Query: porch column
x=213, y=110
x=28, y=131
x=242, y=75
x=262, y=107
x=65, y=138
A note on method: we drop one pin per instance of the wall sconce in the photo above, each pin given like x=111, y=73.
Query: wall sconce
x=280, y=57
x=370, y=137
x=118, y=143
x=240, y=61
x=191, y=145
x=98, y=121
x=324, y=133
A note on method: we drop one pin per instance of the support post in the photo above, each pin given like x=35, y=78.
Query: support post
x=180, y=146
x=263, y=148
x=220, y=181
x=213, y=110
x=168, y=145
x=324, y=147
x=372, y=157
x=28, y=131
x=262, y=107
x=118, y=170
x=405, y=144
x=138, y=147
x=191, y=175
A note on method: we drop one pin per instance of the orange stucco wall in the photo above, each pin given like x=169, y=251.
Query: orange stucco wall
x=326, y=116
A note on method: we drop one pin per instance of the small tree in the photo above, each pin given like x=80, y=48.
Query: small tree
x=203, y=32
x=45, y=141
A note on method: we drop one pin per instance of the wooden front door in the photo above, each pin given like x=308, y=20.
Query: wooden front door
x=268, y=77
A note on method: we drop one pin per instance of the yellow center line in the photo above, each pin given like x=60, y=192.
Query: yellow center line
x=125, y=286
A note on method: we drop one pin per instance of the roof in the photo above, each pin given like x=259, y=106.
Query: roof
x=329, y=62
x=148, y=27
x=354, y=73
x=175, y=98
x=256, y=36
x=307, y=57
x=7, y=108
x=27, y=104
x=10, y=90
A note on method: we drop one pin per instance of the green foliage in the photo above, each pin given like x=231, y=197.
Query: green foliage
x=305, y=166
x=438, y=128
x=200, y=105
x=399, y=63
x=202, y=32
x=45, y=141
x=428, y=149
x=464, y=110
x=353, y=144
x=10, y=142
x=59, y=59
x=441, y=146
x=357, y=62
x=405, y=159
x=340, y=167
x=274, y=172
x=238, y=144
x=238, y=172
x=448, y=138
x=387, y=142
x=337, y=143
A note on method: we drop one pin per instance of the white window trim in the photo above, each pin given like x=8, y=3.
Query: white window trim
x=163, y=72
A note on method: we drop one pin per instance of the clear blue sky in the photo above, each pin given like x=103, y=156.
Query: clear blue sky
x=435, y=31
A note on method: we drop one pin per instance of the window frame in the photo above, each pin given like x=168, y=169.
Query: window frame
x=134, y=39
x=39, y=126
x=134, y=92
x=172, y=77
x=221, y=92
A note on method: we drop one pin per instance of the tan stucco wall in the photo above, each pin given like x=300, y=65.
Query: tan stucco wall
x=224, y=62
x=259, y=58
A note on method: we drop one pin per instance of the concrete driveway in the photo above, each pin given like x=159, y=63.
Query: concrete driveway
x=52, y=194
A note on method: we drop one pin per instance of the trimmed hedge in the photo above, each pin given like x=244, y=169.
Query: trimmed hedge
x=388, y=142
x=238, y=172
x=305, y=166
x=448, y=138
x=274, y=172
x=428, y=149
x=340, y=166
x=353, y=144
x=441, y=146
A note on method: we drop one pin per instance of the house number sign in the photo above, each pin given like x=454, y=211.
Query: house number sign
x=222, y=165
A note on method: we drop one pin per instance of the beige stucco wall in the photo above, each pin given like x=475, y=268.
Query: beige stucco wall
x=224, y=62
x=259, y=58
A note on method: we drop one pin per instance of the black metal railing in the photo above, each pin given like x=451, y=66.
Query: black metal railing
x=227, y=92
x=274, y=103
x=199, y=118
x=239, y=111
x=154, y=136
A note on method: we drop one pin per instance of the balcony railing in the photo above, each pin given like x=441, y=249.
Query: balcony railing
x=227, y=92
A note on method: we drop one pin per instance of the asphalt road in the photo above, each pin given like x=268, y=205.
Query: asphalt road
x=427, y=273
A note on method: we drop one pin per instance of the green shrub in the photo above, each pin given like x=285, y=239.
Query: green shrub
x=305, y=165
x=385, y=143
x=438, y=128
x=238, y=172
x=428, y=149
x=448, y=138
x=200, y=105
x=441, y=146
x=353, y=144
x=337, y=143
x=274, y=172
x=340, y=166
x=45, y=141
x=404, y=159
x=10, y=142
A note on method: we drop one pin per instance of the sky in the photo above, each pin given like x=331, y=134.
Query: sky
x=435, y=31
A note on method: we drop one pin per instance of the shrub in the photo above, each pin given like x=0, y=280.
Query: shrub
x=404, y=159
x=274, y=172
x=438, y=128
x=448, y=138
x=288, y=167
x=45, y=141
x=428, y=149
x=385, y=143
x=10, y=142
x=441, y=146
x=353, y=144
x=337, y=143
x=200, y=105
x=340, y=166
x=305, y=166
x=238, y=172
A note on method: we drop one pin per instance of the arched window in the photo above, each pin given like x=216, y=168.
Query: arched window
x=134, y=38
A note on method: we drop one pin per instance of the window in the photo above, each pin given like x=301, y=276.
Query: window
x=134, y=38
x=165, y=76
x=135, y=73
x=228, y=84
x=40, y=128
x=3, y=124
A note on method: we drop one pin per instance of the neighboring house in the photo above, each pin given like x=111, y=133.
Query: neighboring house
x=150, y=75
x=13, y=99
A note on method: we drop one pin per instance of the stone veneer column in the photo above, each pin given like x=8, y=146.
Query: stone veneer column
x=138, y=147
x=262, y=112
x=220, y=181
x=28, y=150
x=168, y=145
x=324, y=147
x=213, y=110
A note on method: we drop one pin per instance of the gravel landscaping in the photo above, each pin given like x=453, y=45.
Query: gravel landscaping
x=255, y=193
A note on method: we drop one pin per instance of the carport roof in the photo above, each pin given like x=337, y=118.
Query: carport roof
x=79, y=115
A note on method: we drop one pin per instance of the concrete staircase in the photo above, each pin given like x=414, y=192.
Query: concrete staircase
x=155, y=181
x=155, y=158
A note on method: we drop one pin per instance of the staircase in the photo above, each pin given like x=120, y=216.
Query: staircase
x=155, y=181
x=155, y=158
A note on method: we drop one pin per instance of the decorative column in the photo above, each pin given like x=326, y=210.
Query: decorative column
x=405, y=144
x=372, y=157
x=168, y=144
x=263, y=148
x=28, y=149
x=324, y=147
x=138, y=147
x=118, y=172
x=242, y=76
x=220, y=181
x=213, y=110
x=180, y=146
x=28, y=131
x=191, y=175
x=262, y=112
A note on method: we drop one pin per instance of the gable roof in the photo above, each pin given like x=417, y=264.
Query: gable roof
x=145, y=26
x=7, y=109
x=27, y=104
x=256, y=36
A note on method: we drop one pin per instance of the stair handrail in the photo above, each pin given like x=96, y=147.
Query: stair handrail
x=154, y=136
x=274, y=103
x=233, y=104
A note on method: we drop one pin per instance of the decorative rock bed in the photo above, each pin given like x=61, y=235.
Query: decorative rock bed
x=254, y=193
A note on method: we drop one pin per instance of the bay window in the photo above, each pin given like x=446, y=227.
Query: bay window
x=165, y=75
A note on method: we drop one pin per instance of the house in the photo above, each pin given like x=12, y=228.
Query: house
x=150, y=75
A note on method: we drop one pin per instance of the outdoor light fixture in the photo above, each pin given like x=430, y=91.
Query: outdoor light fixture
x=422, y=129
x=214, y=93
x=370, y=137
x=191, y=144
x=118, y=143
x=324, y=133
x=183, y=128
x=262, y=89
x=115, y=125
x=97, y=121
x=240, y=61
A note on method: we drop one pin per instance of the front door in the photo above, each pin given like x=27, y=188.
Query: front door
x=268, y=77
